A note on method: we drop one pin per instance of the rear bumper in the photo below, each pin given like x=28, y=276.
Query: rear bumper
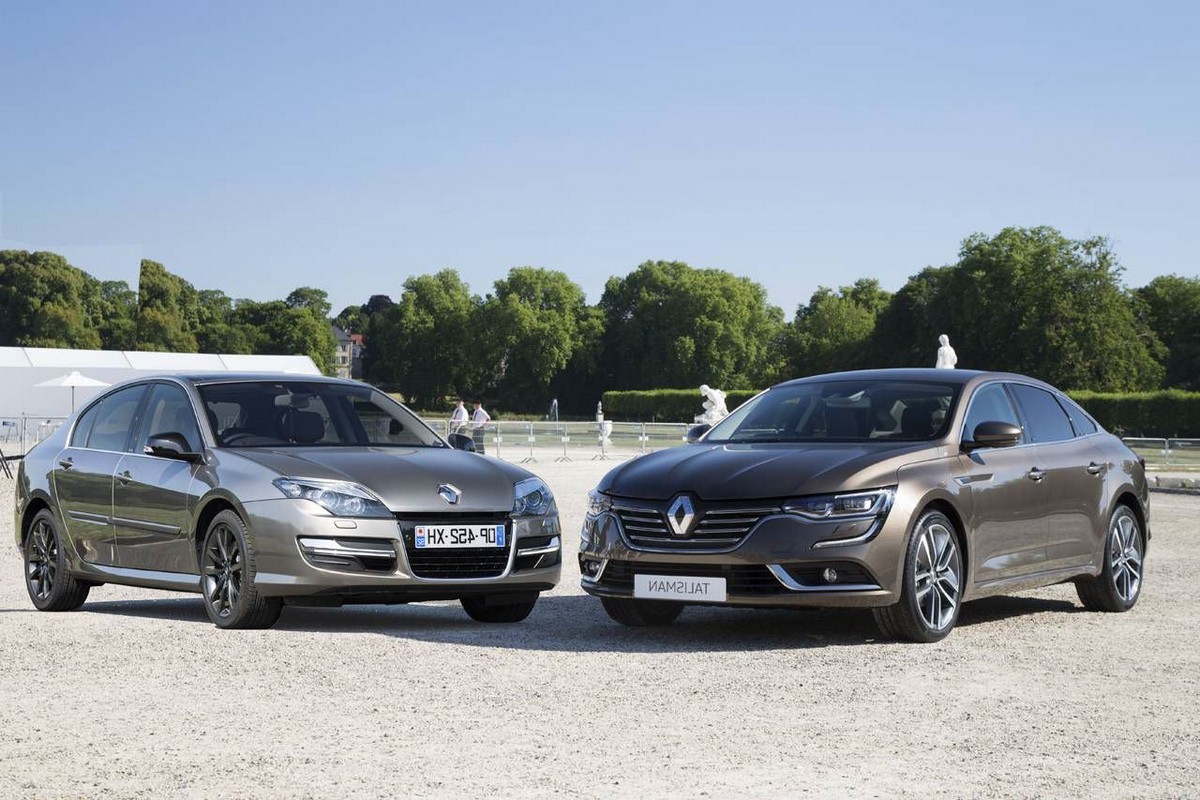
x=286, y=569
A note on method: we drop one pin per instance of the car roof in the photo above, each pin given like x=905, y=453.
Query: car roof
x=960, y=377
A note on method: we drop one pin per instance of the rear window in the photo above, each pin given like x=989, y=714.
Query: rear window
x=1045, y=420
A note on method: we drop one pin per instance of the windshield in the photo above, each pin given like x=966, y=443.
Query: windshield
x=842, y=411
x=303, y=414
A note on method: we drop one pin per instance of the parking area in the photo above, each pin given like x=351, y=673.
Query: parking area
x=138, y=695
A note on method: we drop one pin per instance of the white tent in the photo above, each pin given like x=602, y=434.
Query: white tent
x=22, y=369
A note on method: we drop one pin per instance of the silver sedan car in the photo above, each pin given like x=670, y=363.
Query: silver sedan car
x=260, y=491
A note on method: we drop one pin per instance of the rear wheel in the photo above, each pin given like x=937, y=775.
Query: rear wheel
x=1119, y=584
x=50, y=583
x=227, y=567
x=485, y=609
x=641, y=613
x=931, y=594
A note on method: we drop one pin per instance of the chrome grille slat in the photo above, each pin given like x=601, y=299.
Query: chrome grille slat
x=716, y=528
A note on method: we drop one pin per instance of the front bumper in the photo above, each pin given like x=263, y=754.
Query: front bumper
x=776, y=564
x=302, y=552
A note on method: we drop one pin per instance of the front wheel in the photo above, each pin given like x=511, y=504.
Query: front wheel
x=641, y=613
x=50, y=583
x=227, y=569
x=932, y=584
x=484, y=609
x=1119, y=584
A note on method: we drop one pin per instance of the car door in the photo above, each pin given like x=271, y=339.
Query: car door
x=83, y=472
x=1075, y=472
x=152, y=495
x=1007, y=498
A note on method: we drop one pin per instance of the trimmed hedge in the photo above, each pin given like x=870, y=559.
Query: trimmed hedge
x=664, y=405
x=1167, y=413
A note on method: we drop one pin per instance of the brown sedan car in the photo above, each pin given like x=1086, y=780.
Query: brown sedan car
x=908, y=491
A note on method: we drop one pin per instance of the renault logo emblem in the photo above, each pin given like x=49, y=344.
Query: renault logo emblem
x=450, y=493
x=680, y=515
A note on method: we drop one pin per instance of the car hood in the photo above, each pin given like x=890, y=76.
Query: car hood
x=742, y=471
x=405, y=479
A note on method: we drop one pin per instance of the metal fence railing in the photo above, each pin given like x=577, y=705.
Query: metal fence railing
x=543, y=441
x=1167, y=454
x=19, y=434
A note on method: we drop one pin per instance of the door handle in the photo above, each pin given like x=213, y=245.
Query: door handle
x=125, y=477
x=1095, y=469
x=66, y=463
x=1036, y=475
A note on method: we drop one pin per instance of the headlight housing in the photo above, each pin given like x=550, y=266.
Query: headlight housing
x=852, y=505
x=597, y=503
x=532, y=498
x=339, y=498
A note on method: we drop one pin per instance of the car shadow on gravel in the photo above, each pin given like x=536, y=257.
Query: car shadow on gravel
x=577, y=623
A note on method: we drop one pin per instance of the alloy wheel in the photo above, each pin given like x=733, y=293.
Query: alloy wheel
x=41, y=566
x=223, y=564
x=1125, y=556
x=938, y=576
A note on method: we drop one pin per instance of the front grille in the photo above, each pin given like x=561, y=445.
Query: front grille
x=455, y=564
x=720, y=525
x=740, y=579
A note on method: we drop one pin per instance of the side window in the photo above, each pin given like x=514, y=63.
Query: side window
x=114, y=419
x=83, y=427
x=990, y=404
x=1045, y=419
x=1084, y=424
x=169, y=411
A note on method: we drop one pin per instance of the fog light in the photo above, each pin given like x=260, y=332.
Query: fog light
x=830, y=575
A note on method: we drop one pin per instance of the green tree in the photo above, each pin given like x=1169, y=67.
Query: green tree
x=168, y=311
x=276, y=328
x=46, y=302
x=1170, y=306
x=534, y=325
x=670, y=325
x=116, y=316
x=217, y=331
x=1027, y=300
x=425, y=345
x=833, y=331
x=315, y=300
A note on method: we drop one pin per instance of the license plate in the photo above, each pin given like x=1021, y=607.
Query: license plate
x=433, y=537
x=679, y=587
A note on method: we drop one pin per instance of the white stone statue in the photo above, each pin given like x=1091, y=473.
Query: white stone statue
x=714, y=406
x=600, y=411
x=946, y=358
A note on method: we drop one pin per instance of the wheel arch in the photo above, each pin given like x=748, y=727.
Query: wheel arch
x=945, y=504
x=37, y=502
x=1127, y=497
x=207, y=510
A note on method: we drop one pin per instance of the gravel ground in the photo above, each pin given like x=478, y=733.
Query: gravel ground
x=138, y=695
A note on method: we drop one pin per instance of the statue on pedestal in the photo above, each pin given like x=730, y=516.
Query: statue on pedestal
x=714, y=406
x=946, y=357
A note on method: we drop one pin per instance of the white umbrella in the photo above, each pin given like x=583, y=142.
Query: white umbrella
x=73, y=378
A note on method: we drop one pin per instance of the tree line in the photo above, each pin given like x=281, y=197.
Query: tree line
x=1026, y=300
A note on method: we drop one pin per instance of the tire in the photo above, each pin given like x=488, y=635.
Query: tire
x=932, y=584
x=227, y=570
x=1119, y=583
x=48, y=579
x=479, y=609
x=641, y=613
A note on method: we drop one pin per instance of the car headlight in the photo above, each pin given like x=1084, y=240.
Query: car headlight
x=853, y=505
x=340, y=498
x=597, y=503
x=532, y=498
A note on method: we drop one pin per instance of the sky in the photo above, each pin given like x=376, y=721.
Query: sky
x=257, y=147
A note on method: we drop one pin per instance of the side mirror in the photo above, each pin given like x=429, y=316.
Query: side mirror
x=460, y=441
x=696, y=431
x=993, y=434
x=170, y=445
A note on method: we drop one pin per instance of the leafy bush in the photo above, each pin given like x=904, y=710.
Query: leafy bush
x=1167, y=413
x=664, y=405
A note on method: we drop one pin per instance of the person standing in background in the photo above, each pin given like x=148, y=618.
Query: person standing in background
x=458, y=417
x=479, y=421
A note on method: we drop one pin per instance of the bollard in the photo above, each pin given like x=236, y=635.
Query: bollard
x=565, y=441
